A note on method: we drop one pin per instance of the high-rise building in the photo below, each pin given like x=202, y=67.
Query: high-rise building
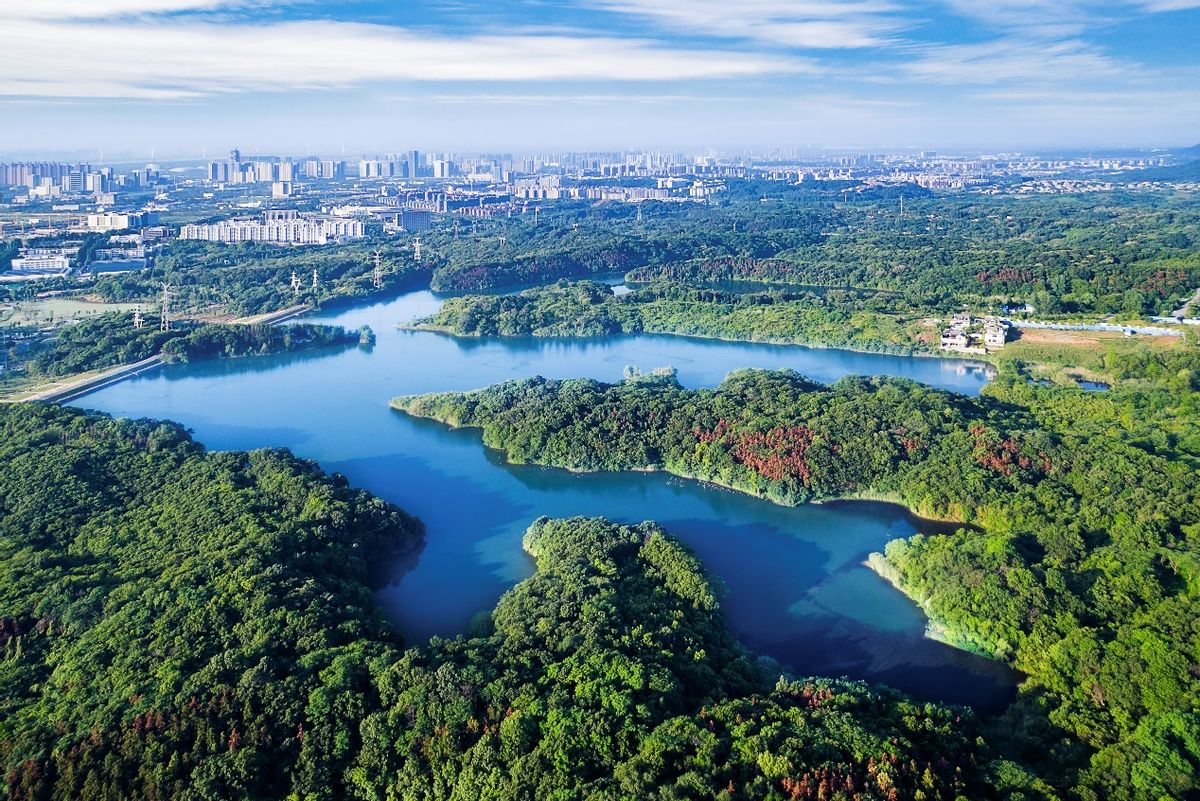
x=414, y=164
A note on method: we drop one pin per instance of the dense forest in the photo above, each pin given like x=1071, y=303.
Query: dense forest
x=192, y=625
x=1125, y=254
x=109, y=340
x=1081, y=567
x=1129, y=252
x=877, y=322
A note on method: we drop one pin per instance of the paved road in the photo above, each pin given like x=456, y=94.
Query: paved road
x=1183, y=310
x=70, y=387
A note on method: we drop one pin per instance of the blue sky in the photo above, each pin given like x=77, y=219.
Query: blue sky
x=185, y=77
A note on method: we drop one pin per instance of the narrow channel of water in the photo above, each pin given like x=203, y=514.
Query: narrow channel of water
x=795, y=588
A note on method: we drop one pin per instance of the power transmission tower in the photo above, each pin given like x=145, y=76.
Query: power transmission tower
x=639, y=208
x=139, y=322
x=378, y=269
x=417, y=249
x=314, y=286
x=295, y=282
x=164, y=321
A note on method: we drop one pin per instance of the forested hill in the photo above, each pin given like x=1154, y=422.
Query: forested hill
x=1083, y=572
x=1129, y=252
x=177, y=624
x=778, y=435
x=876, y=322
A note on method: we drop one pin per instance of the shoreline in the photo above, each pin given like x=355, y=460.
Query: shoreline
x=935, y=630
x=916, y=354
x=863, y=496
x=74, y=386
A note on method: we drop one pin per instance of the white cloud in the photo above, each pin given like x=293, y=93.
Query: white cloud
x=1060, y=18
x=1014, y=60
x=569, y=99
x=1170, y=5
x=106, y=9
x=816, y=24
x=185, y=59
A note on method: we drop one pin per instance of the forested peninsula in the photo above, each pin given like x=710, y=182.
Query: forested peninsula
x=875, y=322
x=1082, y=573
x=109, y=340
x=179, y=624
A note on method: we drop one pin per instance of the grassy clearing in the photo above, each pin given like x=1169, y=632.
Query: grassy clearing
x=55, y=310
x=1068, y=355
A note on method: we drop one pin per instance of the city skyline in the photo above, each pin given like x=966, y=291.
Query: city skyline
x=182, y=78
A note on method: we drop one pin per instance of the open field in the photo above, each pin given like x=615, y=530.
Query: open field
x=53, y=310
x=1076, y=354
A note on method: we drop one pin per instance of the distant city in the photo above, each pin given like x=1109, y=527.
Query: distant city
x=317, y=200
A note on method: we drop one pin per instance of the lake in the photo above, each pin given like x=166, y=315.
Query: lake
x=795, y=588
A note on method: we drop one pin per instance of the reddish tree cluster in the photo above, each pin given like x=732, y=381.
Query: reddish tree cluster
x=821, y=784
x=775, y=454
x=1004, y=274
x=1164, y=282
x=910, y=444
x=148, y=722
x=812, y=696
x=719, y=433
x=1001, y=455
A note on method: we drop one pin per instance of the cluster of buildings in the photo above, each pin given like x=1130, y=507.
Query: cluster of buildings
x=551, y=187
x=271, y=169
x=121, y=221
x=118, y=252
x=278, y=226
x=967, y=334
x=275, y=169
x=40, y=262
x=32, y=181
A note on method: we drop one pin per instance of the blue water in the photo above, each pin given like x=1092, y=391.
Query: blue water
x=795, y=588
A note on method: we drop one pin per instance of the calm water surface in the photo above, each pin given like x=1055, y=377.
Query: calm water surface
x=795, y=587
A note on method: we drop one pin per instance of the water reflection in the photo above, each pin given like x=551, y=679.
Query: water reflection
x=795, y=585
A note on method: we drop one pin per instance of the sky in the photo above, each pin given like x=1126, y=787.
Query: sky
x=190, y=78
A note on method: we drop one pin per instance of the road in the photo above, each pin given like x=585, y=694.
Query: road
x=73, y=386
